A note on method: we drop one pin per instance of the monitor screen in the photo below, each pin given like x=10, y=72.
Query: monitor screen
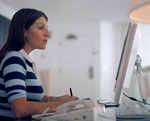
x=126, y=63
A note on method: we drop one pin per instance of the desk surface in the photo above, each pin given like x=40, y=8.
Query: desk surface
x=10, y=119
x=29, y=119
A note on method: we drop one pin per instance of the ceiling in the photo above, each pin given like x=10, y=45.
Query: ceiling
x=114, y=10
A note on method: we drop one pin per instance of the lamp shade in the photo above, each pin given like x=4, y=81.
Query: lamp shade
x=140, y=11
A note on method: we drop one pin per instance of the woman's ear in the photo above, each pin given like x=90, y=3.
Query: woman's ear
x=24, y=33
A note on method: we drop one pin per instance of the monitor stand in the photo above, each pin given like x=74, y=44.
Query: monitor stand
x=132, y=111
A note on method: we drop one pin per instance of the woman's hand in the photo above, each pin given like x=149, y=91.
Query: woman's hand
x=60, y=98
x=63, y=101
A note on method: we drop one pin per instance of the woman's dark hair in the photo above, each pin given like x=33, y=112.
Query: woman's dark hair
x=22, y=20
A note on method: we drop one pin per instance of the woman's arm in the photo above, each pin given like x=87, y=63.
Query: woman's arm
x=53, y=98
x=22, y=108
x=44, y=99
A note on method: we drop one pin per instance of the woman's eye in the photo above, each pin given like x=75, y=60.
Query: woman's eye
x=41, y=28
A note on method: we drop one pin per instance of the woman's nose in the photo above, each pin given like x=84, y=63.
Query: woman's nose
x=47, y=33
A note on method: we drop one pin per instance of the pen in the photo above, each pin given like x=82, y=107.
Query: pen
x=71, y=92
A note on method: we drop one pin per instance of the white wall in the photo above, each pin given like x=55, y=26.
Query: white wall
x=6, y=10
x=144, y=43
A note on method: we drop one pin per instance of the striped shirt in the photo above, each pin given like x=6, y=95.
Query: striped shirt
x=17, y=80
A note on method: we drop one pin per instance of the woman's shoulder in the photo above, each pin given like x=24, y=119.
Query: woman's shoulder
x=13, y=57
x=12, y=54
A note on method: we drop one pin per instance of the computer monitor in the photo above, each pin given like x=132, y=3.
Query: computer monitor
x=126, y=64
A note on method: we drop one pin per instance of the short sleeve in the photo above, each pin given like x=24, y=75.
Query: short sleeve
x=14, y=73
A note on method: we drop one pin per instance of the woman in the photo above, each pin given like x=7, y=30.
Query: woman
x=21, y=94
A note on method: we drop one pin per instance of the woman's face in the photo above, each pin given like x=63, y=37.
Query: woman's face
x=36, y=36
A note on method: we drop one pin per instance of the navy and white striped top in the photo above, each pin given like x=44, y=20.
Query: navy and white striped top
x=17, y=80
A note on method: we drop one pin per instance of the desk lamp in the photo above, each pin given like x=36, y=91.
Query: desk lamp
x=140, y=76
x=139, y=11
